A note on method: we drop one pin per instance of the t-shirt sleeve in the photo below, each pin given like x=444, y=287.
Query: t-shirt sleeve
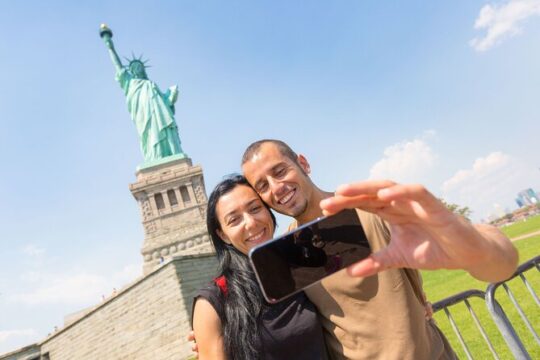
x=414, y=276
x=212, y=294
x=382, y=227
x=379, y=231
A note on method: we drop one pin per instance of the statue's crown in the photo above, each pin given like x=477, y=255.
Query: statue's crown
x=139, y=60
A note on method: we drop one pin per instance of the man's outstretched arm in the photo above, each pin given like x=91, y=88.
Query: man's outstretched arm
x=425, y=234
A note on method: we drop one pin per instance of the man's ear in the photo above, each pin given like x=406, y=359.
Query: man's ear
x=304, y=164
x=223, y=237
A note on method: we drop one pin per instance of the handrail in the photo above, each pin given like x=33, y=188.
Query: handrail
x=497, y=313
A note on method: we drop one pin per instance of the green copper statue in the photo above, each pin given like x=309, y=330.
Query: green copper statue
x=152, y=111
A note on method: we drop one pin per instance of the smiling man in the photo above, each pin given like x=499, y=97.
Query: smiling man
x=376, y=308
x=280, y=177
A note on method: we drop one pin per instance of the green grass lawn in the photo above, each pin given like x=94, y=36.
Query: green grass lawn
x=522, y=227
x=443, y=283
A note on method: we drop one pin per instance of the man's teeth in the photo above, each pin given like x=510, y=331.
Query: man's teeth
x=286, y=198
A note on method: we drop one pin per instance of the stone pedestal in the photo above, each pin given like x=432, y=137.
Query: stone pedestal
x=172, y=200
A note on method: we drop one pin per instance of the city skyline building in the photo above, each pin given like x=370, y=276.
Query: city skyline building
x=527, y=197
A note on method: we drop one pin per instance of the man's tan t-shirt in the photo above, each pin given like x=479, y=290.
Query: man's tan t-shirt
x=378, y=317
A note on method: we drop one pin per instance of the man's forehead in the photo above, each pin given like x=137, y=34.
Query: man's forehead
x=267, y=152
x=262, y=162
x=264, y=159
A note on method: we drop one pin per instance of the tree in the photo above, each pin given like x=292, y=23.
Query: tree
x=459, y=210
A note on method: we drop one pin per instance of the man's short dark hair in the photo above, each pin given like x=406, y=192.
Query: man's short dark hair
x=283, y=148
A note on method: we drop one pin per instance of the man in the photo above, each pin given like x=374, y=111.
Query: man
x=375, y=308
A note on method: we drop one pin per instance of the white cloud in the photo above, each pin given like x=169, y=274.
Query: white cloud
x=73, y=289
x=128, y=273
x=482, y=168
x=68, y=289
x=502, y=21
x=32, y=250
x=407, y=161
x=6, y=335
x=491, y=181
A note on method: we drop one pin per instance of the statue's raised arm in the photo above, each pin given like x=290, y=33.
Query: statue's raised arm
x=151, y=110
x=106, y=35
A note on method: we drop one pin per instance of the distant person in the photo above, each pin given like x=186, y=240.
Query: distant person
x=230, y=317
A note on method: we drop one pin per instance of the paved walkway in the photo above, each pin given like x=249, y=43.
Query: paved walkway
x=526, y=235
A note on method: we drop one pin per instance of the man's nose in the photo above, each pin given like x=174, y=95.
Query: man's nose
x=276, y=187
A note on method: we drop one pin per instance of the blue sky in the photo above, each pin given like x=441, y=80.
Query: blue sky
x=445, y=94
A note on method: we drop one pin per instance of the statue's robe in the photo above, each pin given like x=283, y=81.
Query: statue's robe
x=153, y=114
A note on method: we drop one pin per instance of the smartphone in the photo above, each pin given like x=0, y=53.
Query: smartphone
x=291, y=262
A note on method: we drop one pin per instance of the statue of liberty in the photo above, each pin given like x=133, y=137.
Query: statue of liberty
x=151, y=110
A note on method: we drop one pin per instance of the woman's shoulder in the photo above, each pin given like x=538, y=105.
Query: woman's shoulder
x=207, y=323
x=213, y=289
x=213, y=292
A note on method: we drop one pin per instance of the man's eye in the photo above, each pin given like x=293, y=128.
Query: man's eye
x=262, y=187
x=280, y=172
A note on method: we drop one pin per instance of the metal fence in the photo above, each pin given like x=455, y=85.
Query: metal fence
x=505, y=326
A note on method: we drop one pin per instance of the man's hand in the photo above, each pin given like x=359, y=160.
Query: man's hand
x=194, y=348
x=424, y=233
x=429, y=310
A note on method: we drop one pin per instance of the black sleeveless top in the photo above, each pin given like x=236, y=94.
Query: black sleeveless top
x=290, y=329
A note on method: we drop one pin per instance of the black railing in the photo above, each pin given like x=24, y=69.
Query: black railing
x=499, y=316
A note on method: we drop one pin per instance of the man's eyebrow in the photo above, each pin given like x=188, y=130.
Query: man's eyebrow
x=282, y=163
x=259, y=183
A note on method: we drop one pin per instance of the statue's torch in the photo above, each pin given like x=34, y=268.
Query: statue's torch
x=105, y=32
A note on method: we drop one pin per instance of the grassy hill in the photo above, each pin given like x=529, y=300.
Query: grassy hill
x=522, y=227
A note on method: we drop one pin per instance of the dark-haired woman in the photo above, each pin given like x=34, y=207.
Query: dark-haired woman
x=230, y=318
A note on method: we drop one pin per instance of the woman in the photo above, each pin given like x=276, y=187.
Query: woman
x=230, y=318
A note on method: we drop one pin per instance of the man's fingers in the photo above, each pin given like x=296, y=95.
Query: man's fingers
x=335, y=204
x=429, y=310
x=191, y=336
x=414, y=192
x=364, y=268
x=381, y=260
x=377, y=262
x=363, y=188
x=387, y=190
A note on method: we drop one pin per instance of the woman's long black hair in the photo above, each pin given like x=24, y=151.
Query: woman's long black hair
x=243, y=301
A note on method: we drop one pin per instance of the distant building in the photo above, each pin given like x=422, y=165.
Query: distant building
x=527, y=197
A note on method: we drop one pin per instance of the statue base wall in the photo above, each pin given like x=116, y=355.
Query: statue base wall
x=172, y=200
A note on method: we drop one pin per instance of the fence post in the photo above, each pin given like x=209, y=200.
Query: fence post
x=501, y=320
